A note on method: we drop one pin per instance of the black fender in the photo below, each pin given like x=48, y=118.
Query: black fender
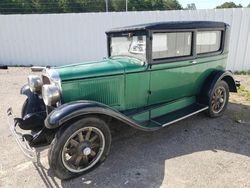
x=69, y=111
x=211, y=81
x=35, y=101
x=34, y=111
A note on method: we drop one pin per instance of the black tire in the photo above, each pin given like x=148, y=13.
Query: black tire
x=212, y=112
x=57, y=152
x=24, y=108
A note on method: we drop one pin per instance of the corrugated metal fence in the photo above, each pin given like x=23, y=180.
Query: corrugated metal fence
x=58, y=39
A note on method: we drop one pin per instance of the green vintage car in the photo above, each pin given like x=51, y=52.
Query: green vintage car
x=155, y=75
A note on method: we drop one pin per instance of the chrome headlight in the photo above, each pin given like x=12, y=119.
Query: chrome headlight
x=50, y=94
x=35, y=83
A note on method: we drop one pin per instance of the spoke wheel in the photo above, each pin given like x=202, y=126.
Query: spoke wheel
x=218, y=99
x=79, y=147
x=83, y=149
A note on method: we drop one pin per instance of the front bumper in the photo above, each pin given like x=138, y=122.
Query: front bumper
x=21, y=139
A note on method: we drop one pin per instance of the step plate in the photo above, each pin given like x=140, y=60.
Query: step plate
x=175, y=116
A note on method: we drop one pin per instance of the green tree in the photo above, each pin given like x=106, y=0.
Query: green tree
x=248, y=5
x=172, y=5
x=81, y=5
x=9, y=6
x=68, y=6
x=117, y=5
x=229, y=5
x=147, y=5
x=28, y=6
x=46, y=6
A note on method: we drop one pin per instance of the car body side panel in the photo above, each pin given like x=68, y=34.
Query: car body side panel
x=205, y=66
x=175, y=80
x=170, y=81
x=136, y=89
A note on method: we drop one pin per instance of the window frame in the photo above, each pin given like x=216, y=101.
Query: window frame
x=222, y=42
x=125, y=33
x=149, y=42
x=176, y=58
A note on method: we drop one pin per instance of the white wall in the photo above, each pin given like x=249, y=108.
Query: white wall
x=58, y=39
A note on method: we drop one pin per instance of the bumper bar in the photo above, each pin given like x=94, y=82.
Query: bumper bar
x=22, y=142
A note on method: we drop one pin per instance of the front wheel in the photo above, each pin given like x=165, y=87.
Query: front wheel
x=218, y=99
x=80, y=147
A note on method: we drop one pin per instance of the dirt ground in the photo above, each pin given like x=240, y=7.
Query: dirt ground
x=196, y=152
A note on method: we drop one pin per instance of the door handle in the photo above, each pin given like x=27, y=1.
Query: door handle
x=193, y=62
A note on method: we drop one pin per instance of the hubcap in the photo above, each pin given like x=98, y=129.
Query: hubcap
x=86, y=151
x=218, y=99
x=83, y=149
x=221, y=100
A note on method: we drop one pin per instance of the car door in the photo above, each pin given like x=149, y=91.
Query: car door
x=172, y=73
x=209, y=56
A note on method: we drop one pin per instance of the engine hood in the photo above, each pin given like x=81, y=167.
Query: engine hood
x=106, y=67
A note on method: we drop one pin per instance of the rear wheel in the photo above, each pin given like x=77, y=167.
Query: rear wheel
x=80, y=147
x=218, y=99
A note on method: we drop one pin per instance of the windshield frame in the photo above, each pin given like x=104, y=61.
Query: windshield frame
x=127, y=33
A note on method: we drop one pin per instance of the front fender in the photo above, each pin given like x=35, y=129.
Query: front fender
x=25, y=90
x=212, y=80
x=35, y=102
x=71, y=110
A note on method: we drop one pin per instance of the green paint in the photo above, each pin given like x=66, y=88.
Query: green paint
x=99, y=68
x=126, y=83
x=164, y=109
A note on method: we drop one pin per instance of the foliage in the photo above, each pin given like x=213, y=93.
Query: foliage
x=67, y=6
x=242, y=72
x=172, y=5
x=242, y=91
x=229, y=5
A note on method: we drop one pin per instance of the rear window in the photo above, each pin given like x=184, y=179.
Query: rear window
x=167, y=45
x=208, y=41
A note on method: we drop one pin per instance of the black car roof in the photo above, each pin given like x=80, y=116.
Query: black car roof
x=170, y=25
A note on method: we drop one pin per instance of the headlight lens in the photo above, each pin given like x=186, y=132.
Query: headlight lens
x=51, y=94
x=35, y=83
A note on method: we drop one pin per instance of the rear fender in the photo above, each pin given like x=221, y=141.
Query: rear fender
x=67, y=112
x=212, y=80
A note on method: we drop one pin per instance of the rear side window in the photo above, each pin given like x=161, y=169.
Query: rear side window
x=208, y=41
x=167, y=45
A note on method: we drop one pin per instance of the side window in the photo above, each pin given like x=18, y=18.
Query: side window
x=167, y=45
x=208, y=41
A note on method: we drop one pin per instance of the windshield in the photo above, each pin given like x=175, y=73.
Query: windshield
x=132, y=46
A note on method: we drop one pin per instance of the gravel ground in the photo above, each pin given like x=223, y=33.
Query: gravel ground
x=196, y=152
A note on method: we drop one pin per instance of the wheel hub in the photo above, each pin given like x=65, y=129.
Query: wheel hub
x=84, y=148
x=221, y=100
x=86, y=151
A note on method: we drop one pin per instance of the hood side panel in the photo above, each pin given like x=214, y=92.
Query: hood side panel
x=106, y=90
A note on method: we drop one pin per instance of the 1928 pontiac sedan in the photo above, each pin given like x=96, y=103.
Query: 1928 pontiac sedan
x=155, y=75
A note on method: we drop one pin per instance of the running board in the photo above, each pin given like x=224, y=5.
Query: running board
x=175, y=116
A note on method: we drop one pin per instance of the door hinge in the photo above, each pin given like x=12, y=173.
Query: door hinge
x=149, y=92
